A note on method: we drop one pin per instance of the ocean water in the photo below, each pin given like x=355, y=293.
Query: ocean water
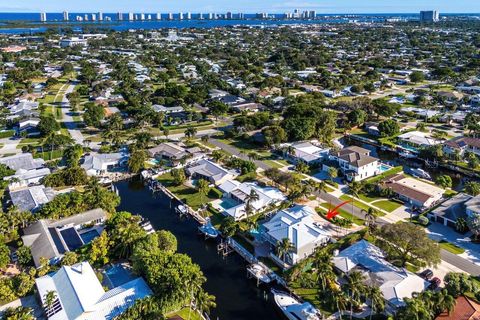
x=34, y=25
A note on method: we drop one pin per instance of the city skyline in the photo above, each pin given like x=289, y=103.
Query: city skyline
x=247, y=6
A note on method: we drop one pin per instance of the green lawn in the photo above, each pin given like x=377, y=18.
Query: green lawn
x=356, y=203
x=185, y=313
x=47, y=155
x=451, y=247
x=388, y=205
x=187, y=194
x=274, y=164
x=344, y=214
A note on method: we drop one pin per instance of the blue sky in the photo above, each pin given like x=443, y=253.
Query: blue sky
x=248, y=6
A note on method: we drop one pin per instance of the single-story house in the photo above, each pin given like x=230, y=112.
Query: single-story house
x=297, y=225
x=23, y=178
x=210, y=171
x=417, y=139
x=29, y=126
x=238, y=193
x=450, y=210
x=395, y=283
x=52, y=238
x=307, y=152
x=413, y=191
x=167, y=110
x=23, y=161
x=80, y=295
x=356, y=163
x=175, y=153
x=31, y=198
x=99, y=163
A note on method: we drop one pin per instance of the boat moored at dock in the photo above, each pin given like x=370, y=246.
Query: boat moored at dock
x=293, y=309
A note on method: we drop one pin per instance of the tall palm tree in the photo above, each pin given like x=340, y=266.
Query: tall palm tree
x=377, y=301
x=252, y=197
x=355, y=287
x=284, y=247
x=252, y=156
x=370, y=218
x=443, y=301
x=340, y=299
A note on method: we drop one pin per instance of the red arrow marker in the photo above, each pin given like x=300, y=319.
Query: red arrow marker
x=333, y=212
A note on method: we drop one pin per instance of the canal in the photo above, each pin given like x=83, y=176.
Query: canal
x=236, y=296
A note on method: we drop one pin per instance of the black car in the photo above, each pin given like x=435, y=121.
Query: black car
x=426, y=274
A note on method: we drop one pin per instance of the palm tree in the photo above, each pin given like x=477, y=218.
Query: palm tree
x=203, y=188
x=323, y=269
x=284, y=247
x=340, y=299
x=252, y=197
x=355, y=287
x=49, y=298
x=190, y=132
x=204, y=301
x=461, y=225
x=377, y=301
x=370, y=218
x=442, y=301
x=252, y=156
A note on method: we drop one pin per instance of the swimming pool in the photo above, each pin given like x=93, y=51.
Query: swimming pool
x=88, y=236
x=228, y=203
x=383, y=167
x=117, y=275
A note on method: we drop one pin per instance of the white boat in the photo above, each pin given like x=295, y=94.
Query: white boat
x=208, y=230
x=181, y=209
x=406, y=154
x=147, y=226
x=259, y=272
x=294, y=309
x=420, y=173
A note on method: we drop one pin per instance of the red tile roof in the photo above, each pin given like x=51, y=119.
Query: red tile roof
x=465, y=309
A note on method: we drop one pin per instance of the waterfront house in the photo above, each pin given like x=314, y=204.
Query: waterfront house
x=307, y=152
x=395, y=283
x=356, y=163
x=414, y=192
x=210, y=171
x=97, y=164
x=81, y=296
x=298, y=226
x=175, y=153
x=462, y=145
x=31, y=198
x=415, y=140
x=237, y=194
x=460, y=205
x=52, y=238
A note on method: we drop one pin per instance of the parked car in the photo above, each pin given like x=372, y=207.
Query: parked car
x=426, y=274
x=435, y=283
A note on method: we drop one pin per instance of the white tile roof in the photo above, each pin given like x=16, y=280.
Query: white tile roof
x=297, y=225
x=395, y=283
x=82, y=296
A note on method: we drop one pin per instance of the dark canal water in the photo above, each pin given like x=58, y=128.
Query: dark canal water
x=237, y=297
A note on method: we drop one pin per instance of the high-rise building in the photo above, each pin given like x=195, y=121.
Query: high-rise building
x=170, y=16
x=94, y=17
x=159, y=16
x=229, y=15
x=85, y=18
x=429, y=16
x=241, y=16
x=131, y=17
x=180, y=16
x=200, y=16
x=43, y=16
x=149, y=17
x=100, y=16
x=189, y=16
x=313, y=14
x=119, y=16
x=210, y=16
x=65, y=16
x=142, y=16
